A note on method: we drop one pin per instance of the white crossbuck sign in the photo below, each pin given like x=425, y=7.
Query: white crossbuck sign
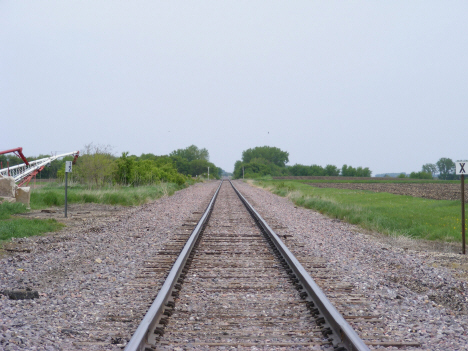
x=461, y=167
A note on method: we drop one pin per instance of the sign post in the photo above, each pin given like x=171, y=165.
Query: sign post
x=68, y=169
x=461, y=169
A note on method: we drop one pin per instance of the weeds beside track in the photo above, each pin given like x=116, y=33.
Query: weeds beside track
x=386, y=213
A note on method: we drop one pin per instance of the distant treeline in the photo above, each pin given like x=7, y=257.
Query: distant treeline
x=443, y=169
x=266, y=160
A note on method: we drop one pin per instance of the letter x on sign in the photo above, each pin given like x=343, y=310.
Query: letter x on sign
x=461, y=167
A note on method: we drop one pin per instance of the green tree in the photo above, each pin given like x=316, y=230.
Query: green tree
x=420, y=175
x=200, y=167
x=430, y=168
x=349, y=171
x=269, y=153
x=237, y=174
x=95, y=166
x=299, y=170
x=149, y=156
x=446, y=168
x=363, y=172
x=182, y=164
x=332, y=171
x=124, y=169
x=191, y=153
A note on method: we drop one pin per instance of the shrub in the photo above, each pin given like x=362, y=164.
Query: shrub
x=420, y=175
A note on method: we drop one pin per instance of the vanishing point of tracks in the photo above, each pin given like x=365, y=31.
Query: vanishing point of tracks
x=236, y=284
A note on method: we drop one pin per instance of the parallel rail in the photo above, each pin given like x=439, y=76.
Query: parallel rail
x=333, y=325
x=144, y=335
x=342, y=333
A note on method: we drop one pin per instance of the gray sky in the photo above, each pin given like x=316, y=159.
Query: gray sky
x=376, y=84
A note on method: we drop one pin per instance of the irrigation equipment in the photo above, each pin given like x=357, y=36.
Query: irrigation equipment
x=24, y=172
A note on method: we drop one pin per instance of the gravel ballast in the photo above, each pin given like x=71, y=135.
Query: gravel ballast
x=421, y=295
x=86, y=277
x=90, y=297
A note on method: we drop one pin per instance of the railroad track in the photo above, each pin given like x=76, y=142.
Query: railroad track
x=236, y=284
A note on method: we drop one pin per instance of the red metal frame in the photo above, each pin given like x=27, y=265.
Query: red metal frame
x=33, y=174
x=29, y=177
x=76, y=156
x=18, y=152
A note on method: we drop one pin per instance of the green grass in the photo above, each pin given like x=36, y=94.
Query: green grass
x=382, y=212
x=23, y=227
x=54, y=195
x=13, y=227
x=8, y=209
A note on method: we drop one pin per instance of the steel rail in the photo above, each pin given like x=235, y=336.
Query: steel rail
x=343, y=334
x=140, y=339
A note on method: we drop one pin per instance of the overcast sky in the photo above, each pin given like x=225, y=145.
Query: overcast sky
x=378, y=84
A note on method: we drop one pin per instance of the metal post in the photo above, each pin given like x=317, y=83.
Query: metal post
x=66, y=183
x=242, y=172
x=208, y=173
x=463, y=210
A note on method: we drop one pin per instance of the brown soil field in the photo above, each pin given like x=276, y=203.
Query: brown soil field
x=424, y=190
x=332, y=178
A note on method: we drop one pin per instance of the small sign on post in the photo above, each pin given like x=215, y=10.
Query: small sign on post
x=461, y=168
x=68, y=166
x=68, y=169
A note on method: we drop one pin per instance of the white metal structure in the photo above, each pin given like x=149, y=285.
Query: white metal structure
x=21, y=172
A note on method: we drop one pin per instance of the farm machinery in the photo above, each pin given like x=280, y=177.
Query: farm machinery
x=23, y=173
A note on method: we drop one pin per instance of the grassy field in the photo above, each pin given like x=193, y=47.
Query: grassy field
x=386, y=213
x=54, y=195
x=12, y=226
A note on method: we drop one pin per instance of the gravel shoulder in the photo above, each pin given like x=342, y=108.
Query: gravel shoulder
x=91, y=296
x=87, y=275
x=420, y=294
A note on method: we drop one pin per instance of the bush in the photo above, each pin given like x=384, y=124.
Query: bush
x=349, y=171
x=420, y=175
x=134, y=171
x=95, y=166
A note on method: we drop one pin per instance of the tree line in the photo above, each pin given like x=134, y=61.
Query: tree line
x=97, y=166
x=266, y=160
x=445, y=168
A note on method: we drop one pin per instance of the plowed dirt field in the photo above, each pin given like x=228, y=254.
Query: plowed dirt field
x=428, y=191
